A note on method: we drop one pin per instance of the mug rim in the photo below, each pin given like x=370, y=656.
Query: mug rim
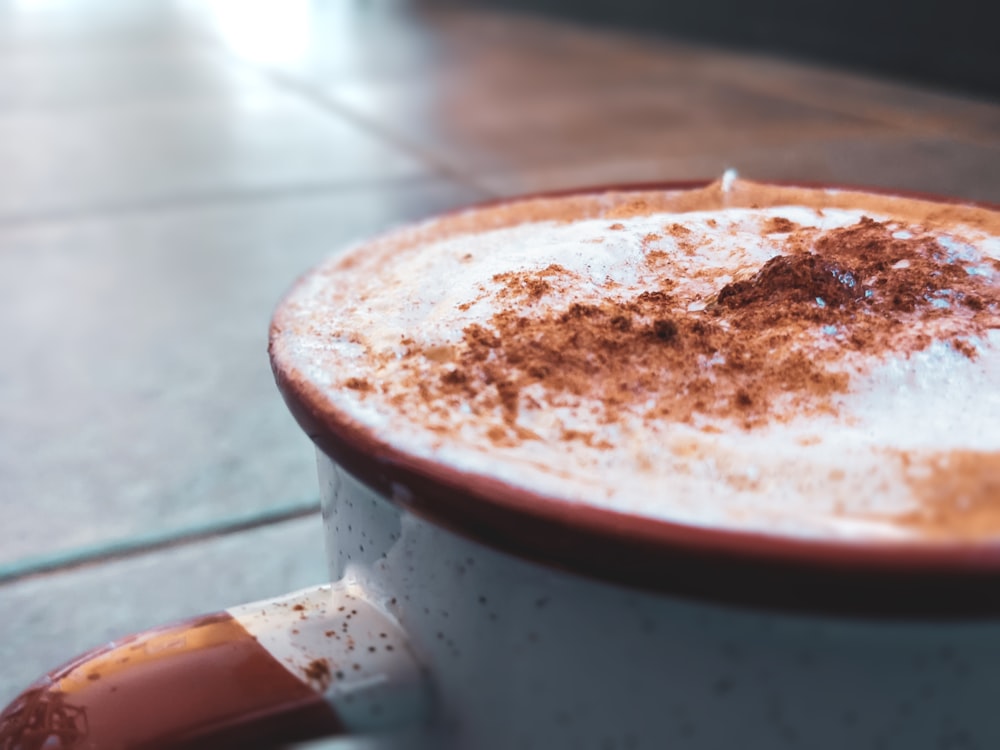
x=868, y=578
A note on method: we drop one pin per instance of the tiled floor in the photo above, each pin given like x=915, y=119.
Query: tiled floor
x=168, y=167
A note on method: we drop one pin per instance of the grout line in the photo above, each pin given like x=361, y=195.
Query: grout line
x=317, y=98
x=194, y=200
x=142, y=544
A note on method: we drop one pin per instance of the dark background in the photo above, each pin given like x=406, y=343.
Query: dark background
x=947, y=45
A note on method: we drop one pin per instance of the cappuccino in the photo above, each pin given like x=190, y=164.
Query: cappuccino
x=787, y=361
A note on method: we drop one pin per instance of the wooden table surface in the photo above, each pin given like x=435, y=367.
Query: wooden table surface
x=167, y=168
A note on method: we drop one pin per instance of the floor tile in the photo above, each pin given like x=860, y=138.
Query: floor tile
x=135, y=392
x=917, y=110
x=63, y=79
x=49, y=619
x=478, y=127
x=330, y=45
x=65, y=54
x=155, y=152
x=519, y=93
x=59, y=25
x=325, y=41
x=60, y=54
x=925, y=164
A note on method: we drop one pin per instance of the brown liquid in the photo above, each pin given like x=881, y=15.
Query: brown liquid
x=205, y=683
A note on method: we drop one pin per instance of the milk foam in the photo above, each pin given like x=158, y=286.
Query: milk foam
x=855, y=471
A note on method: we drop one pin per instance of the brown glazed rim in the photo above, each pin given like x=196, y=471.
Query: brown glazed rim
x=926, y=580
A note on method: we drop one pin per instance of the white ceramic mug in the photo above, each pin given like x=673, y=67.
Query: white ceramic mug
x=484, y=616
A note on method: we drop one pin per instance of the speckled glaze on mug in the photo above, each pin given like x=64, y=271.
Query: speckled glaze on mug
x=522, y=655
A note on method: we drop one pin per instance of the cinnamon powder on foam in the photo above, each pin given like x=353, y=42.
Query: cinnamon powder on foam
x=770, y=344
x=781, y=340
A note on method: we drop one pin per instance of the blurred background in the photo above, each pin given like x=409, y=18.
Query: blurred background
x=167, y=168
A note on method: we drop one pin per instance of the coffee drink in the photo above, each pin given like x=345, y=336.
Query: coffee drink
x=798, y=362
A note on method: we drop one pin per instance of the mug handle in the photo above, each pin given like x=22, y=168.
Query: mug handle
x=321, y=662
